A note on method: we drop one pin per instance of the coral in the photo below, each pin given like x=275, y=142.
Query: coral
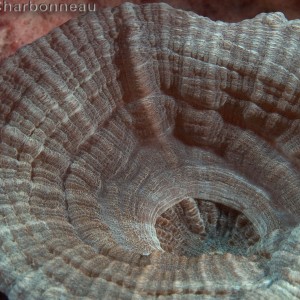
x=147, y=152
x=18, y=28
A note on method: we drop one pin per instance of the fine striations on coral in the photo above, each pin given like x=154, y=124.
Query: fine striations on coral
x=147, y=152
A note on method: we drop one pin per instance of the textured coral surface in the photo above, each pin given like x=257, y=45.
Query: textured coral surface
x=147, y=152
x=20, y=28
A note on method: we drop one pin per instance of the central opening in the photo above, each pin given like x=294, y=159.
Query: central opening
x=193, y=227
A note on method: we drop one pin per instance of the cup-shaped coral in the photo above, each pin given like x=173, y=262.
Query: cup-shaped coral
x=149, y=152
